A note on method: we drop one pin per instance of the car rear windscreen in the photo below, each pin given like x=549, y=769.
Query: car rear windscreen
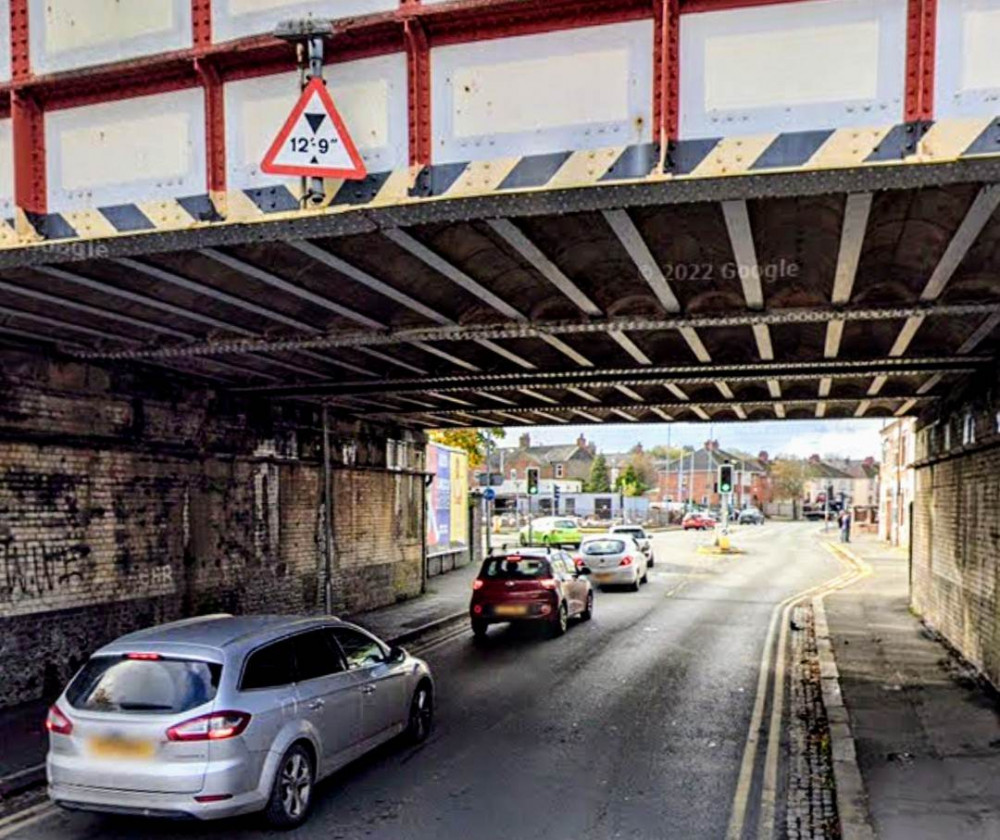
x=147, y=686
x=565, y=524
x=634, y=532
x=604, y=547
x=515, y=568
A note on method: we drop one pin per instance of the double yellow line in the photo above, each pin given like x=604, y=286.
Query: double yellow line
x=857, y=569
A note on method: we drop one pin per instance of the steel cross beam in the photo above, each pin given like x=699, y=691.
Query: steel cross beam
x=666, y=376
x=705, y=407
x=548, y=330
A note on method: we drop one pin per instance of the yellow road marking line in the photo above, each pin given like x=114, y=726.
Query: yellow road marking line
x=742, y=795
x=22, y=819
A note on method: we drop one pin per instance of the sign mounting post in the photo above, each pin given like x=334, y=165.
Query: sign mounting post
x=314, y=142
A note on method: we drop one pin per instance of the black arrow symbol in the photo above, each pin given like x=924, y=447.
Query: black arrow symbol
x=315, y=121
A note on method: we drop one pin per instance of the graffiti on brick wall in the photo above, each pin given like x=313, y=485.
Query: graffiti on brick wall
x=39, y=571
x=66, y=539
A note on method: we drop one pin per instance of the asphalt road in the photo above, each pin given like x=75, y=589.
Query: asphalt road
x=633, y=725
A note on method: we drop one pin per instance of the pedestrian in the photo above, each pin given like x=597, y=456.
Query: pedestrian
x=845, y=526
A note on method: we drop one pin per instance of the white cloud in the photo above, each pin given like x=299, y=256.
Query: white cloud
x=846, y=439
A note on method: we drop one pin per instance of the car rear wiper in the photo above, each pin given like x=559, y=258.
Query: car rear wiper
x=144, y=707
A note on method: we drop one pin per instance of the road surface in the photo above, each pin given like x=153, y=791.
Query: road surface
x=633, y=725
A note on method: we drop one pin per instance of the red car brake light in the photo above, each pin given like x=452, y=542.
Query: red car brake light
x=478, y=583
x=216, y=726
x=57, y=722
x=548, y=583
x=626, y=561
x=151, y=657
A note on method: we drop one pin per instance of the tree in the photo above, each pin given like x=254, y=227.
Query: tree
x=600, y=480
x=630, y=482
x=472, y=441
x=642, y=464
x=666, y=453
x=788, y=479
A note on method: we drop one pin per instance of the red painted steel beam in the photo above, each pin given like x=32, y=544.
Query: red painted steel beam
x=921, y=37
x=418, y=75
x=666, y=70
x=215, y=105
x=27, y=127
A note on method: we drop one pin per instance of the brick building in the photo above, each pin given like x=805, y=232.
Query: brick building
x=129, y=500
x=897, y=482
x=561, y=461
x=693, y=477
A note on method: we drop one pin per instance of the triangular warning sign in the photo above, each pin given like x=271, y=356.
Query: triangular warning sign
x=310, y=144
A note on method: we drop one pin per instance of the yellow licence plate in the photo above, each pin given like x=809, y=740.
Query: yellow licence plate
x=510, y=609
x=600, y=577
x=121, y=748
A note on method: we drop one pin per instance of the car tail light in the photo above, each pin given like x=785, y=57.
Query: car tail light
x=548, y=583
x=477, y=583
x=626, y=561
x=57, y=722
x=214, y=797
x=148, y=657
x=578, y=559
x=216, y=726
x=478, y=609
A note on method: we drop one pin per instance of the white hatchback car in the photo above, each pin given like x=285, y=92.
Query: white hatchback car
x=216, y=716
x=614, y=560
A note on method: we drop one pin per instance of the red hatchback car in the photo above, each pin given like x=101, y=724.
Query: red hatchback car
x=698, y=520
x=531, y=584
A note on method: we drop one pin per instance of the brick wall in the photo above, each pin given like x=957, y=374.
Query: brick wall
x=955, y=544
x=125, y=503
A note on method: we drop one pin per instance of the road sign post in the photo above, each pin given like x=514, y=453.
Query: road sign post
x=314, y=142
x=532, y=474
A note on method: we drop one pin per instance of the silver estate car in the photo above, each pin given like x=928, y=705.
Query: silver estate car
x=614, y=560
x=219, y=715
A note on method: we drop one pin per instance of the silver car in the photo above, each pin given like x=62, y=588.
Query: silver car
x=614, y=560
x=637, y=533
x=215, y=716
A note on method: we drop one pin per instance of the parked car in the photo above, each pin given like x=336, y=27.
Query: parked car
x=551, y=530
x=637, y=533
x=750, y=516
x=220, y=715
x=613, y=559
x=698, y=520
x=530, y=585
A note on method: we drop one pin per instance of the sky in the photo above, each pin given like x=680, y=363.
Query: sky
x=844, y=438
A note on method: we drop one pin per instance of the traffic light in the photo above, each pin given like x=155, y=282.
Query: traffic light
x=725, y=478
x=532, y=481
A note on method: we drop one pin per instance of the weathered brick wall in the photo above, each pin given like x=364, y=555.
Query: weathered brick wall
x=124, y=504
x=956, y=530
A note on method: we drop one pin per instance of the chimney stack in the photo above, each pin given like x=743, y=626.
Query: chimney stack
x=525, y=440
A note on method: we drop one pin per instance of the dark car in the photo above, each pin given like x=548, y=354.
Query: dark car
x=750, y=516
x=530, y=585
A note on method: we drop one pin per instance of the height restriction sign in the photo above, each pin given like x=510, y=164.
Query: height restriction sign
x=314, y=141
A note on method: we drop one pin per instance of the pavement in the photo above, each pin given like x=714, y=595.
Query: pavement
x=926, y=730
x=649, y=721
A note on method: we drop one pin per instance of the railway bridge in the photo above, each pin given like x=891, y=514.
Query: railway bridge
x=574, y=212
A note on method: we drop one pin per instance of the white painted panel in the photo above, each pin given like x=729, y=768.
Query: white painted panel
x=369, y=94
x=79, y=33
x=5, y=72
x=134, y=150
x=967, y=81
x=578, y=89
x=6, y=170
x=792, y=67
x=236, y=18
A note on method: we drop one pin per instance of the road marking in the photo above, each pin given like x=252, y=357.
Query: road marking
x=742, y=795
x=22, y=819
x=769, y=788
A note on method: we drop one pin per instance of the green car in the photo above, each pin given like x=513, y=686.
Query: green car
x=551, y=530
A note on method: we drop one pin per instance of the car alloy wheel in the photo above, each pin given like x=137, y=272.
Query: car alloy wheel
x=292, y=794
x=421, y=715
x=561, y=624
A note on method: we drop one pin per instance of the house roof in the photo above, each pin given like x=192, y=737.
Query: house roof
x=705, y=460
x=854, y=468
x=547, y=454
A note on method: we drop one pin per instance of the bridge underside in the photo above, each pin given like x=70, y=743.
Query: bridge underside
x=854, y=292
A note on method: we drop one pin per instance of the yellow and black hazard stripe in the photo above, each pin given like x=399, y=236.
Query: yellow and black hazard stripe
x=900, y=144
